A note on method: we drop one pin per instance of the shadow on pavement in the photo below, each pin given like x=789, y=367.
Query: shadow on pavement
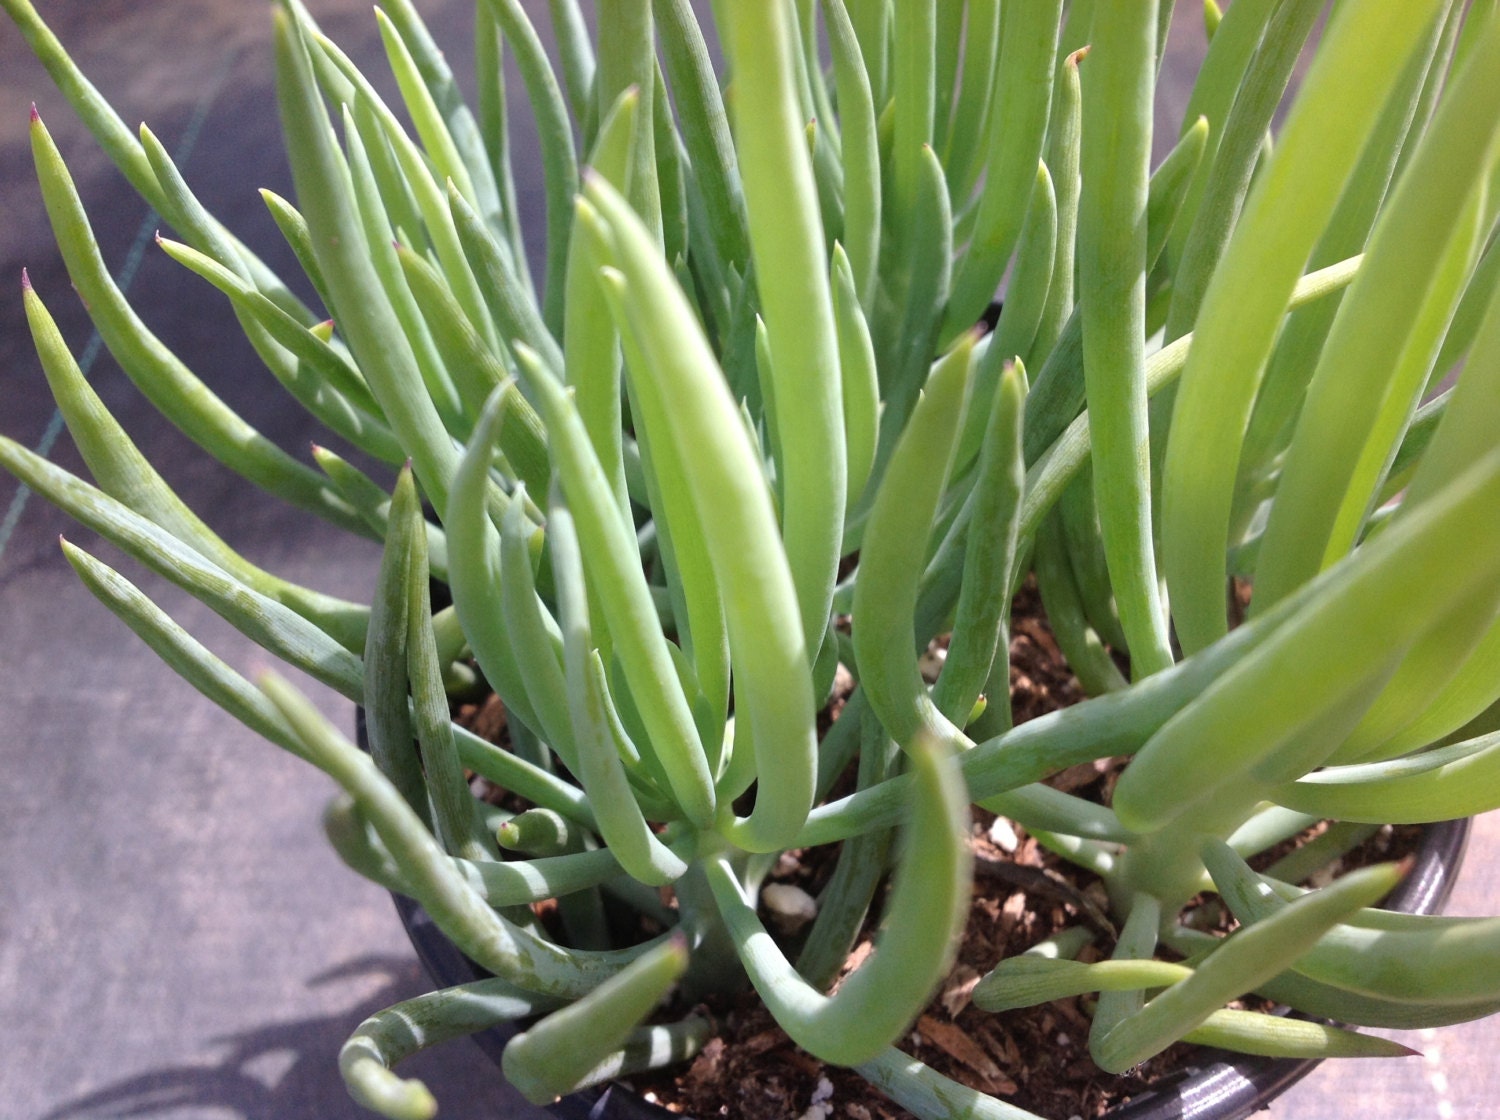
x=283, y=1069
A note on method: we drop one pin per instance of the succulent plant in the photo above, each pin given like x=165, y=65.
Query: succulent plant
x=741, y=430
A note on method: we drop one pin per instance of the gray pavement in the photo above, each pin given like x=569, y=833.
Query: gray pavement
x=176, y=940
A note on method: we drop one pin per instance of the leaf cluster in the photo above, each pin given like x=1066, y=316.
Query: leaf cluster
x=728, y=434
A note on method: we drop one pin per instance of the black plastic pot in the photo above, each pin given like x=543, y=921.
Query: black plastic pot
x=1219, y=1086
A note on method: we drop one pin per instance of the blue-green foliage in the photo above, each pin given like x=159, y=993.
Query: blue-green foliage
x=745, y=401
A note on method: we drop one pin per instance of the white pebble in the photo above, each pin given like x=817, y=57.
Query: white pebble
x=1003, y=835
x=789, y=905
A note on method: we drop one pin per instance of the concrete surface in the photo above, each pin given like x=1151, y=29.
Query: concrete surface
x=175, y=938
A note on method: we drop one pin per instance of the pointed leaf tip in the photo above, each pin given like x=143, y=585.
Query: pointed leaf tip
x=25, y=281
x=35, y=116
